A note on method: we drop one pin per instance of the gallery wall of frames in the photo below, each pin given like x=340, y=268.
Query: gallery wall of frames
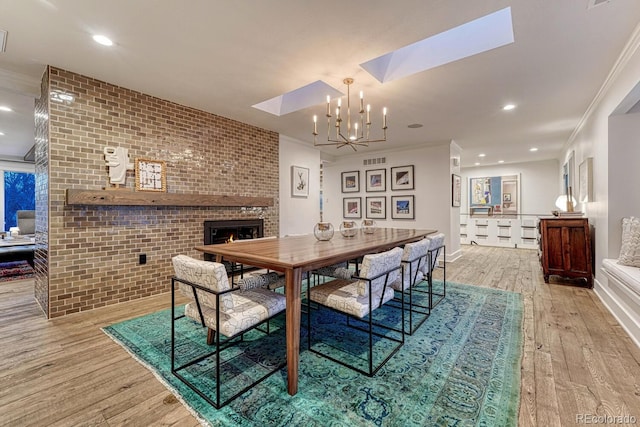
x=365, y=194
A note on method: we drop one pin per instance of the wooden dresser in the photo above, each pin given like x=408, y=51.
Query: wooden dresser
x=565, y=245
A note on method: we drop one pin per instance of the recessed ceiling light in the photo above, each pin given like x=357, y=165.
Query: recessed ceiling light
x=415, y=125
x=481, y=155
x=500, y=161
x=1, y=133
x=103, y=40
x=5, y=108
x=477, y=163
x=509, y=107
x=533, y=149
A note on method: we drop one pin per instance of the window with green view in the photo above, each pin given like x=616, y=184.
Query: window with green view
x=19, y=194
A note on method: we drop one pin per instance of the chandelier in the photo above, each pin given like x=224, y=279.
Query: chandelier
x=355, y=134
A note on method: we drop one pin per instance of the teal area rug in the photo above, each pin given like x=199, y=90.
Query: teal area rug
x=460, y=368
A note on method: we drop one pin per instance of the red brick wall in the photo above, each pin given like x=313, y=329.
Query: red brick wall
x=93, y=251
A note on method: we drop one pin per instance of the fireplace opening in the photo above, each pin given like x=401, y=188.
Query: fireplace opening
x=224, y=231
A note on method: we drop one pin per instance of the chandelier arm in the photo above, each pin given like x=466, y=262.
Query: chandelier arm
x=357, y=139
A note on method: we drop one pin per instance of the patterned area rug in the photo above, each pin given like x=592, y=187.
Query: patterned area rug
x=460, y=368
x=15, y=270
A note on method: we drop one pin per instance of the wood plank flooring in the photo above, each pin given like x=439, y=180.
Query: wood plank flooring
x=67, y=372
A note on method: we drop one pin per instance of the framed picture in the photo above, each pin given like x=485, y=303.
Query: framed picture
x=402, y=207
x=506, y=197
x=299, y=181
x=352, y=207
x=151, y=175
x=456, y=190
x=351, y=182
x=376, y=207
x=585, y=172
x=402, y=178
x=376, y=180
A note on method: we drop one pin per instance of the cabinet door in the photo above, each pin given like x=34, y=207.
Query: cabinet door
x=554, y=251
x=577, y=256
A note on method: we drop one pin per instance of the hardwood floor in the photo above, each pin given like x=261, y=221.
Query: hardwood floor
x=63, y=372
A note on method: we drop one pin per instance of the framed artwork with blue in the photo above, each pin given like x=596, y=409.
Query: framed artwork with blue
x=403, y=207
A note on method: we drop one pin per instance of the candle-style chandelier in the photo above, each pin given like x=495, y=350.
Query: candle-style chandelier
x=355, y=134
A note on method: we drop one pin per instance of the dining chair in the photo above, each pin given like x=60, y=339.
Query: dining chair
x=270, y=280
x=358, y=298
x=26, y=221
x=414, y=258
x=436, y=246
x=336, y=271
x=235, y=267
x=227, y=312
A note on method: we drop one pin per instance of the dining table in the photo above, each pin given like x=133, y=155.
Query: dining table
x=298, y=254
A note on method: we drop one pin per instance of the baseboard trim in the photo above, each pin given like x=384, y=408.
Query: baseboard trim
x=454, y=256
x=617, y=308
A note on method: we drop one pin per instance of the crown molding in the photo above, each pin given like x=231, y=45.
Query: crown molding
x=627, y=53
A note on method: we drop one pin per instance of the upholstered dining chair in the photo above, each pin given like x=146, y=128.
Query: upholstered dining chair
x=336, y=271
x=436, y=246
x=414, y=259
x=228, y=312
x=357, y=298
x=239, y=268
x=26, y=221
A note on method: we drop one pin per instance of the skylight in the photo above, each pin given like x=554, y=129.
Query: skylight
x=480, y=35
x=306, y=96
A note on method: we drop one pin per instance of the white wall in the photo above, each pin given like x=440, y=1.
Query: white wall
x=432, y=176
x=539, y=184
x=592, y=140
x=453, y=244
x=624, y=176
x=298, y=215
x=615, y=170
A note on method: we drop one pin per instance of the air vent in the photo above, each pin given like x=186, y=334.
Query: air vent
x=594, y=3
x=376, y=161
x=3, y=40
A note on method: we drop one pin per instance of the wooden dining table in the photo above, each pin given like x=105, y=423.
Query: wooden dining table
x=295, y=255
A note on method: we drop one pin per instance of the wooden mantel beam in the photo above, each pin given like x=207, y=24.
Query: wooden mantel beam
x=140, y=198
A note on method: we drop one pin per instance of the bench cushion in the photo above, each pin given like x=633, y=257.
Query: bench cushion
x=630, y=248
x=630, y=276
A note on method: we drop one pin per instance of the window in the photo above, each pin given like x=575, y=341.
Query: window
x=19, y=194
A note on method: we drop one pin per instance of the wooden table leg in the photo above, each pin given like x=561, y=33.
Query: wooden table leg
x=292, y=290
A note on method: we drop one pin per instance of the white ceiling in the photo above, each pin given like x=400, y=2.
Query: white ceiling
x=224, y=57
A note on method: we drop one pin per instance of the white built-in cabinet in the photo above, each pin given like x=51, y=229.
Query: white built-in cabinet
x=516, y=232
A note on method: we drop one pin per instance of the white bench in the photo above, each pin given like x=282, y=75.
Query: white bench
x=623, y=295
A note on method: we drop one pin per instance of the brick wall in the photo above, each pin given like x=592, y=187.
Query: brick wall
x=93, y=251
x=41, y=256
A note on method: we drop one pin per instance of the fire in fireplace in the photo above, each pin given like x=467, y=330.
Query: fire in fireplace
x=223, y=231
